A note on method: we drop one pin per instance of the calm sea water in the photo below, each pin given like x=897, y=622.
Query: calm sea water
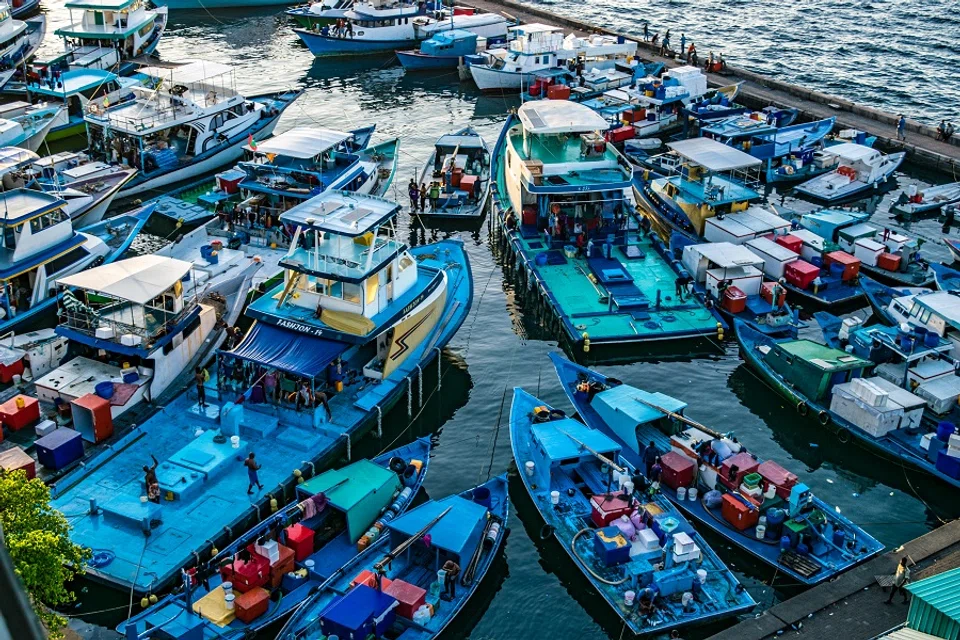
x=534, y=590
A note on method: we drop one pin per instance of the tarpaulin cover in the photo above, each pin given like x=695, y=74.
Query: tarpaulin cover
x=288, y=351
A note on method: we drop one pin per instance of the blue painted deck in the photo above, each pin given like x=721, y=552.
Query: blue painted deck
x=832, y=560
x=282, y=438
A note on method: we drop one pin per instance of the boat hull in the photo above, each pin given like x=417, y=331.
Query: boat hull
x=416, y=61
x=198, y=5
x=321, y=45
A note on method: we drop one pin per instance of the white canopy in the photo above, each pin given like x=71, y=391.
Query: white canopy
x=302, y=142
x=713, y=155
x=852, y=152
x=560, y=116
x=727, y=255
x=188, y=73
x=534, y=27
x=138, y=280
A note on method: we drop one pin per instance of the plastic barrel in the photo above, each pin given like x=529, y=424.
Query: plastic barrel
x=481, y=495
x=785, y=544
x=945, y=430
x=931, y=339
x=104, y=389
x=839, y=537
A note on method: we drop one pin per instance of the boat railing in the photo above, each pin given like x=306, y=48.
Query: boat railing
x=149, y=108
x=98, y=324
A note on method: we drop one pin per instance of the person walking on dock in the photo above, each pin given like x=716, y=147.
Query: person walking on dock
x=150, y=479
x=252, y=467
x=902, y=128
x=200, y=378
x=646, y=31
x=900, y=579
x=683, y=42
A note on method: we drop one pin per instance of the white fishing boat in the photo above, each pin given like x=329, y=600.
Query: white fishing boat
x=136, y=328
x=108, y=34
x=656, y=103
x=19, y=41
x=859, y=168
x=327, y=12
x=26, y=125
x=538, y=47
x=192, y=123
x=914, y=201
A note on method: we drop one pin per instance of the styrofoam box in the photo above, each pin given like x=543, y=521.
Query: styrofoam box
x=775, y=257
x=648, y=539
x=925, y=440
x=912, y=404
x=954, y=440
x=941, y=394
x=130, y=340
x=953, y=452
x=104, y=333
x=876, y=421
x=748, y=279
x=44, y=427
x=868, y=392
x=867, y=251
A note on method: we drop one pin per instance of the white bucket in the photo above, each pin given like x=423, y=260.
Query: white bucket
x=686, y=598
x=771, y=492
x=144, y=498
x=308, y=563
x=529, y=466
x=628, y=487
x=762, y=521
x=227, y=588
x=681, y=493
x=554, y=497
x=692, y=494
x=628, y=597
x=235, y=442
x=228, y=601
x=761, y=531
x=702, y=576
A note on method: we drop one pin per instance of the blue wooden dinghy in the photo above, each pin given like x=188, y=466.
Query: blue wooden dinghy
x=399, y=588
x=756, y=505
x=633, y=546
x=356, y=500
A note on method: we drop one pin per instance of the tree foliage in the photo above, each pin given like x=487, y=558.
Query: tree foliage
x=38, y=540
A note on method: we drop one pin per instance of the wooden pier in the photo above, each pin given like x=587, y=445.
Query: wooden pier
x=758, y=91
x=852, y=607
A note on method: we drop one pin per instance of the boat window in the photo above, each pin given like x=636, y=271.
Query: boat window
x=925, y=315
x=915, y=310
x=69, y=259
x=899, y=308
x=47, y=220
x=352, y=292
x=405, y=262
x=191, y=327
x=10, y=236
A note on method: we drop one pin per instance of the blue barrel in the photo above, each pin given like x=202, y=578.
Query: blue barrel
x=785, y=543
x=839, y=538
x=205, y=251
x=803, y=549
x=931, y=339
x=945, y=430
x=775, y=520
x=541, y=259
x=104, y=389
x=920, y=333
x=481, y=495
x=816, y=261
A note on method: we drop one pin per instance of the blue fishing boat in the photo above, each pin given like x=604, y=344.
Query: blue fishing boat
x=859, y=169
x=108, y=34
x=444, y=50
x=21, y=8
x=632, y=545
x=314, y=15
x=343, y=508
x=563, y=202
x=752, y=503
x=809, y=160
x=368, y=32
x=835, y=386
x=945, y=278
x=336, y=344
x=399, y=587
x=457, y=176
x=929, y=200
x=197, y=96
x=715, y=104
x=893, y=305
x=40, y=246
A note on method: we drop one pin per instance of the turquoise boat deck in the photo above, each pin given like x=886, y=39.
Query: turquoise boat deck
x=552, y=150
x=716, y=190
x=622, y=305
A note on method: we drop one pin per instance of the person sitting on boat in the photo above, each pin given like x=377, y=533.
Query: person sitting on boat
x=650, y=458
x=150, y=480
x=581, y=244
x=511, y=222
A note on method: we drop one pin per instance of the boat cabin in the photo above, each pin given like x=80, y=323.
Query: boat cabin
x=937, y=311
x=559, y=167
x=811, y=368
x=556, y=450
x=714, y=179
x=626, y=410
x=455, y=42
x=101, y=33
x=193, y=108
x=75, y=88
x=10, y=30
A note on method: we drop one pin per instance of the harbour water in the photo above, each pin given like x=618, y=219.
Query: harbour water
x=534, y=591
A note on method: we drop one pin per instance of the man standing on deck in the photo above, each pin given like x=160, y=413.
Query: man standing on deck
x=414, y=192
x=900, y=580
x=902, y=128
x=646, y=31
x=252, y=467
x=650, y=456
x=450, y=580
x=200, y=379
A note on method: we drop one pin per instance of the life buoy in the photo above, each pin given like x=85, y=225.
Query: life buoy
x=546, y=531
x=802, y=408
x=824, y=418
x=843, y=435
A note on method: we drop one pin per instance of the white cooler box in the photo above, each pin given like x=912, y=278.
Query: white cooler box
x=877, y=421
x=941, y=394
x=913, y=405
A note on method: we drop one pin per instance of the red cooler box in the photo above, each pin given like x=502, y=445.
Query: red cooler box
x=889, y=261
x=677, y=470
x=851, y=265
x=300, y=539
x=800, y=273
x=92, y=417
x=777, y=476
x=766, y=292
x=17, y=417
x=738, y=512
x=745, y=465
x=734, y=300
x=17, y=458
x=606, y=509
x=409, y=597
x=791, y=242
x=7, y=371
x=246, y=575
x=558, y=92
x=251, y=605
x=620, y=134
x=469, y=184
x=284, y=565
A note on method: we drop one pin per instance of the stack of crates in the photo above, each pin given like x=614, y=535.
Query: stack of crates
x=751, y=485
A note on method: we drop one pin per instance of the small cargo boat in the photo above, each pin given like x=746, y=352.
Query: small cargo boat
x=399, y=588
x=860, y=169
x=457, y=176
x=633, y=546
x=756, y=505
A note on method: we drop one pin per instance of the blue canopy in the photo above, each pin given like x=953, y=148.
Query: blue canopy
x=288, y=351
x=457, y=532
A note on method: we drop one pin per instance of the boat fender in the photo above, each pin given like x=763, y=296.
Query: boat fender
x=802, y=408
x=824, y=418
x=153, y=598
x=546, y=531
x=144, y=602
x=586, y=342
x=843, y=435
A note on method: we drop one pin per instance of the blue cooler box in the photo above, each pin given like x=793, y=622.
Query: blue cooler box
x=58, y=449
x=947, y=464
x=611, y=546
x=352, y=615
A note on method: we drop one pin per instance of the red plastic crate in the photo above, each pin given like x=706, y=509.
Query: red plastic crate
x=468, y=184
x=677, y=470
x=246, y=575
x=409, y=597
x=889, y=261
x=606, y=509
x=791, y=242
x=8, y=371
x=16, y=418
x=300, y=539
x=620, y=134
x=368, y=578
x=738, y=513
x=251, y=605
x=558, y=92
x=284, y=565
x=851, y=265
x=801, y=273
x=734, y=300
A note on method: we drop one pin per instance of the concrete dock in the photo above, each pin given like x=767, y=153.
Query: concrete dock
x=852, y=606
x=758, y=91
